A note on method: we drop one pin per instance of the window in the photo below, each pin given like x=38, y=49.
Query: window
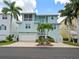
x=27, y=17
x=47, y=19
x=41, y=17
x=52, y=17
x=2, y=27
x=30, y=15
x=54, y=26
x=4, y=17
x=27, y=26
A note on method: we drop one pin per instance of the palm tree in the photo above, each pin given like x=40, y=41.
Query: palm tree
x=75, y=7
x=13, y=10
x=48, y=27
x=41, y=28
x=45, y=28
x=73, y=12
x=68, y=13
x=69, y=17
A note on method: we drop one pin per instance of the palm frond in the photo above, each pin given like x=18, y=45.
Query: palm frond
x=17, y=11
x=18, y=8
x=12, y=5
x=6, y=2
x=15, y=15
x=5, y=10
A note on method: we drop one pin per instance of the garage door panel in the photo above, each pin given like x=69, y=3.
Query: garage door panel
x=27, y=37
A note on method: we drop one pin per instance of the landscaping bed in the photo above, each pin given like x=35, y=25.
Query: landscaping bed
x=6, y=42
x=45, y=42
x=71, y=43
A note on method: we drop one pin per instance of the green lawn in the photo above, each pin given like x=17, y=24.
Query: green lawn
x=71, y=43
x=6, y=43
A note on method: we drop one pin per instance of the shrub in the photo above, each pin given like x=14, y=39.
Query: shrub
x=10, y=37
x=42, y=38
x=75, y=40
x=50, y=39
x=65, y=39
x=3, y=41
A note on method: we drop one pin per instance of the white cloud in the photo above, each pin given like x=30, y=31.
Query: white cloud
x=61, y=1
x=1, y=0
x=36, y=11
x=0, y=10
x=26, y=5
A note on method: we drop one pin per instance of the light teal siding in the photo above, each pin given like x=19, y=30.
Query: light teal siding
x=36, y=19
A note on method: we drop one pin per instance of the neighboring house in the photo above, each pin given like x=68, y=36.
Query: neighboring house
x=26, y=29
x=66, y=31
x=5, y=26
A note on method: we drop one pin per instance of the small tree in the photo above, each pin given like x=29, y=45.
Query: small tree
x=45, y=28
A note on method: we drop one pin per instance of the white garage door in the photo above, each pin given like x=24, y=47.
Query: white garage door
x=2, y=37
x=27, y=37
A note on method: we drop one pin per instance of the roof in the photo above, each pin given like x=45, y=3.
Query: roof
x=60, y=19
x=47, y=14
x=24, y=12
x=40, y=14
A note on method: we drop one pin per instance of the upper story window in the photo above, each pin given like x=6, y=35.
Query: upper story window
x=27, y=26
x=27, y=17
x=4, y=16
x=52, y=17
x=47, y=19
x=2, y=27
x=41, y=17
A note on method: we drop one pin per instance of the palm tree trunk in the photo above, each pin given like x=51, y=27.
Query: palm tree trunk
x=47, y=32
x=11, y=25
x=78, y=28
x=69, y=35
x=46, y=35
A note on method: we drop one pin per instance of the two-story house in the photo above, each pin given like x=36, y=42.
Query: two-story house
x=5, y=26
x=26, y=30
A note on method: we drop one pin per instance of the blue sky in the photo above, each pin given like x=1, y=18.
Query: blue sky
x=41, y=6
x=48, y=6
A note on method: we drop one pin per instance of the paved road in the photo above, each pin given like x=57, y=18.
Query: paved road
x=39, y=53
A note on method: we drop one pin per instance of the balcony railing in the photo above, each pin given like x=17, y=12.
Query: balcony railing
x=41, y=33
x=27, y=19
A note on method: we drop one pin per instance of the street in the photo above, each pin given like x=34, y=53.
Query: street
x=39, y=53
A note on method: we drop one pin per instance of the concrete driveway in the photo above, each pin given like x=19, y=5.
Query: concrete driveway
x=33, y=44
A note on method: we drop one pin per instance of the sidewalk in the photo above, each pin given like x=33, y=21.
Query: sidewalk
x=33, y=44
x=63, y=45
